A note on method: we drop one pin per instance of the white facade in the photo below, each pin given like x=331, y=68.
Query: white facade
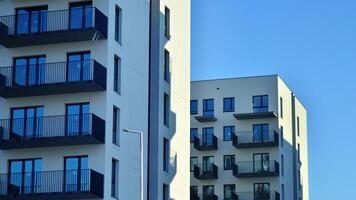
x=133, y=100
x=243, y=91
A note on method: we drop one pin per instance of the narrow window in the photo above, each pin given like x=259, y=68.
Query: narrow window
x=116, y=126
x=229, y=104
x=208, y=107
x=193, y=162
x=167, y=23
x=165, y=192
x=229, y=191
x=193, y=107
x=283, y=195
x=118, y=24
x=166, y=154
x=115, y=178
x=166, y=66
x=229, y=161
x=281, y=108
x=193, y=133
x=194, y=192
x=260, y=103
x=298, y=126
x=208, y=192
x=117, y=74
x=282, y=165
x=299, y=152
x=228, y=131
x=299, y=180
x=166, y=110
x=282, y=136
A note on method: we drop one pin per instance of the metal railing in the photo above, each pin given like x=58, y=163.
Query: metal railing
x=256, y=167
x=52, y=73
x=50, y=126
x=251, y=137
x=54, y=21
x=206, y=169
x=69, y=181
x=263, y=195
x=202, y=141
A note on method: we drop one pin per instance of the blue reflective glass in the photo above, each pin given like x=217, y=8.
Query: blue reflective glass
x=193, y=107
x=193, y=132
x=229, y=104
x=208, y=107
x=208, y=134
x=228, y=131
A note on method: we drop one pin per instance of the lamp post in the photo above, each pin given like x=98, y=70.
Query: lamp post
x=140, y=133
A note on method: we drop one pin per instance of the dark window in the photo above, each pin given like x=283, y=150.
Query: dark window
x=260, y=133
x=25, y=175
x=208, y=162
x=261, y=162
x=228, y=131
x=229, y=191
x=115, y=178
x=78, y=67
x=193, y=162
x=193, y=133
x=81, y=15
x=116, y=126
x=282, y=165
x=208, y=107
x=76, y=174
x=77, y=119
x=166, y=154
x=31, y=20
x=193, y=107
x=281, y=108
x=282, y=136
x=29, y=70
x=298, y=126
x=229, y=161
x=261, y=191
x=166, y=66
x=117, y=74
x=208, y=135
x=208, y=191
x=260, y=103
x=166, y=110
x=167, y=22
x=283, y=195
x=194, y=190
x=27, y=122
x=299, y=180
x=229, y=104
x=165, y=192
x=118, y=24
x=299, y=152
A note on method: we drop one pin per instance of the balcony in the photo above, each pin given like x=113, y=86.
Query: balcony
x=267, y=195
x=194, y=196
x=206, y=171
x=52, y=78
x=249, y=139
x=52, y=185
x=205, y=142
x=53, y=27
x=256, y=169
x=255, y=115
x=51, y=131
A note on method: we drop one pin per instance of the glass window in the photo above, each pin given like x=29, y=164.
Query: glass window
x=79, y=67
x=228, y=131
x=117, y=74
x=166, y=66
x=81, y=15
x=27, y=122
x=166, y=192
x=193, y=133
x=261, y=133
x=166, y=154
x=283, y=195
x=229, y=161
x=31, y=20
x=261, y=162
x=118, y=24
x=193, y=162
x=260, y=103
x=167, y=18
x=229, y=191
x=261, y=191
x=229, y=104
x=193, y=107
x=281, y=106
x=25, y=174
x=208, y=191
x=298, y=127
x=115, y=178
x=78, y=119
x=29, y=71
x=194, y=190
x=208, y=162
x=208, y=136
x=299, y=152
x=116, y=126
x=282, y=165
x=208, y=107
x=282, y=136
x=76, y=174
x=166, y=110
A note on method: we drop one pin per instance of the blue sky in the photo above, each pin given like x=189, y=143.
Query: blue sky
x=312, y=45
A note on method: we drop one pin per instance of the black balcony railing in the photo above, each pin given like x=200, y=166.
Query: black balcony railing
x=210, y=197
x=194, y=196
x=252, y=169
x=250, y=139
x=258, y=195
x=255, y=115
x=52, y=78
x=205, y=142
x=80, y=24
x=51, y=131
x=232, y=197
x=70, y=184
x=206, y=171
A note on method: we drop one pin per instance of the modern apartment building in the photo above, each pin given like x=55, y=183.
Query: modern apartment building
x=248, y=140
x=73, y=75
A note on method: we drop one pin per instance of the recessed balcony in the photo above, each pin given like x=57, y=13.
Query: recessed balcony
x=51, y=131
x=257, y=195
x=52, y=185
x=205, y=142
x=52, y=27
x=52, y=78
x=255, y=115
x=207, y=171
x=255, y=169
x=250, y=139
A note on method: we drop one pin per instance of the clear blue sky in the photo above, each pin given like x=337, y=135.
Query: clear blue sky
x=312, y=45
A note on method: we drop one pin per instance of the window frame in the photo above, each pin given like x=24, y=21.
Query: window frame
x=116, y=126
x=166, y=154
x=196, y=111
x=192, y=138
x=166, y=109
x=206, y=109
x=117, y=75
x=167, y=65
x=261, y=107
x=115, y=178
x=225, y=163
x=167, y=22
x=232, y=132
x=118, y=24
x=231, y=103
x=191, y=167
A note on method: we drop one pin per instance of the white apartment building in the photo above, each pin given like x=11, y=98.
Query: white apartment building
x=248, y=140
x=73, y=75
